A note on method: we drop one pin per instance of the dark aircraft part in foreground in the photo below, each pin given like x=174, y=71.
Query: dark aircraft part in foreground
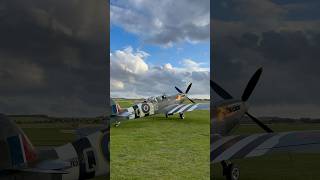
x=240, y=103
x=85, y=158
x=15, y=148
x=227, y=114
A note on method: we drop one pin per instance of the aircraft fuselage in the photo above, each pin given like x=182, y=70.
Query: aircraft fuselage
x=226, y=115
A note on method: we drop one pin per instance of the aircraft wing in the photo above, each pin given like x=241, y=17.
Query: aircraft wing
x=126, y=115
x=182, y=108
x=122, y=116
x=245, y=146
x=46, y=167
x=36, y=170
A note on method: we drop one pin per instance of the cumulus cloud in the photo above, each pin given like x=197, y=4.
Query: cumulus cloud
x=129, y=61
x=194, y=66
x=168, y=67
x=116, y=84
x=133, y=77
x=163, y=22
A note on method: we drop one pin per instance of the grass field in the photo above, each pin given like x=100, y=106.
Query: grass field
x=49, y=135
x=156, y=147
x=124, y=103
x=276, y=167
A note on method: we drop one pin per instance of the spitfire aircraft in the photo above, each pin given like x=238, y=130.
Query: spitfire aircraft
x=84, y=158
x=226, y=115
x=167, y=105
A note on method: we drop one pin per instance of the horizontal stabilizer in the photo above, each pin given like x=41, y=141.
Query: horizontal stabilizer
x=35, y=170
x=46, y=167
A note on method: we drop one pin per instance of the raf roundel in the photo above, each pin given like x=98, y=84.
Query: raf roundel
x=145, y=108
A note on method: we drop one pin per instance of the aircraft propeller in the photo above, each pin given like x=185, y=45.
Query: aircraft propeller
x=245, y=96
x=251, y=85
x=178, y=90
x=186, y=92
x=220, y=91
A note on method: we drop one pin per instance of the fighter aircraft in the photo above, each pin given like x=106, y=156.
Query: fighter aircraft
x=168, y=105
x=226, y=115
x=84, y=158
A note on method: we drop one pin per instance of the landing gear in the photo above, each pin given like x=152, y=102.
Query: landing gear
x=230, y=170
x=181, y=115
x=117, y=124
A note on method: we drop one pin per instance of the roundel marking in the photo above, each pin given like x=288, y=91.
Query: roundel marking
x=86, y=158
x=145, y=108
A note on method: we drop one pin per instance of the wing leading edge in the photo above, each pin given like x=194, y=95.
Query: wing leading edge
x=182, y=108
x=245, y=146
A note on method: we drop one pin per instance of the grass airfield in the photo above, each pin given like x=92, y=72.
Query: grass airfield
x=156, y=147
x=279, y=166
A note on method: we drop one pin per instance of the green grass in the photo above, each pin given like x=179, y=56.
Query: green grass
x=124, y=103
x=279, y=166
x=49, y=135
x=156, y=147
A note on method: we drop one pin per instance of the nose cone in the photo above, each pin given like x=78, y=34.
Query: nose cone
x=179, y=97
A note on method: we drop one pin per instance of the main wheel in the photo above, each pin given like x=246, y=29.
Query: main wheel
x=181, y=115
x=233, y=172
x=116, y=124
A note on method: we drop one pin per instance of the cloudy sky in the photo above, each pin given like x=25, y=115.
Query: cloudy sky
x=53, y=57
x=156, y=45
x=283, y=37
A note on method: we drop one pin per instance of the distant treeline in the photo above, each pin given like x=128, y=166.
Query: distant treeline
x=269, y=120
x=29, y=115
x=141, y=99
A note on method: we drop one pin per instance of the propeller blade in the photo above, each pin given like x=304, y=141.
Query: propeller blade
x=191, y=100
x=220, y=91
x=257, y=121
x=251, y=85
x=188, y=88
x=178, y=90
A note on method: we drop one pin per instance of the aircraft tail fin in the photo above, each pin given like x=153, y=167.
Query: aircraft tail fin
x=115, y=108
x=15, y=147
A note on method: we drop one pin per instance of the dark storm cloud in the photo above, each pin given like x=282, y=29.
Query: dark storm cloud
x=280, y=36
x=53, y=57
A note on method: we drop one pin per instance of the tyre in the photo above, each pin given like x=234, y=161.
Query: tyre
x=233, y=172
